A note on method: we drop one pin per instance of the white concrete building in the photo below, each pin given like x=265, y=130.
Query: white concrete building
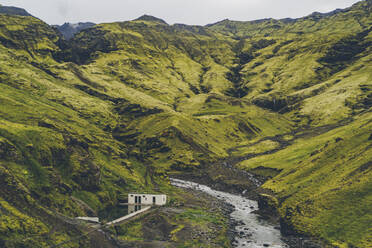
x=147, y=199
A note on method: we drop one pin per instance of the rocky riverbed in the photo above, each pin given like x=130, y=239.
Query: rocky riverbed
x=249, y=230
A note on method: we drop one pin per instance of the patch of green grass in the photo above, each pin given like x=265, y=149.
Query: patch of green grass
x=130, y=232
x=199, y=217
x=263, y=146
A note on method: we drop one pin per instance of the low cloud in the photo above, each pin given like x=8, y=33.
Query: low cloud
x=63, y=8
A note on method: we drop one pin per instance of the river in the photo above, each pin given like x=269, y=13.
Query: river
x=251, y=231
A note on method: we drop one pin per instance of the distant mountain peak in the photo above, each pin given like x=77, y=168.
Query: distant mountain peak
x=9, y=10
x=151, y=19
x=69, y=30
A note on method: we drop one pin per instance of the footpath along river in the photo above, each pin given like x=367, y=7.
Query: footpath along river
x=251, y=231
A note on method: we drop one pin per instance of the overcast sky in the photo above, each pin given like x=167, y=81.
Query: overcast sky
x=199, y=12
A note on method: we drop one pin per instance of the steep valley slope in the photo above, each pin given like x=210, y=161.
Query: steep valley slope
x=120, y=106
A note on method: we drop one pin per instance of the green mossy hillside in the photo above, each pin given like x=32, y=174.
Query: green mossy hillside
x=113, y=110
x=324, y=183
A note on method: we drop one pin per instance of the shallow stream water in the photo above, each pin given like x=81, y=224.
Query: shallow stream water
x=251, y=231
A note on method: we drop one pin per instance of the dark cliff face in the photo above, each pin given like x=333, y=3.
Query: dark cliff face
x=68, y=30
x=13, y=11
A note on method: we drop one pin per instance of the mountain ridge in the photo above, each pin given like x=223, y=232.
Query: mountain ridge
x=13, y=11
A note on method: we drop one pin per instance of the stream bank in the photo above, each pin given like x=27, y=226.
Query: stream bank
x=250, y=231
x=224, y=176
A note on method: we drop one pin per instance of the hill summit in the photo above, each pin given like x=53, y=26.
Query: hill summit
x=150, y=19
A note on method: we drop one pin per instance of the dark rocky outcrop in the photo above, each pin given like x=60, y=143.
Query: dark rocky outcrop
x=89, y=177
x=96, y=93
x=154, y=144
x=8, y=151
x=83, y=49
x=135, y=110
x=345, y=51
x=274, y=104
x=69, y=30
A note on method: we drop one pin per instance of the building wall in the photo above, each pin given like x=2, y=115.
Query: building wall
x=147, y=199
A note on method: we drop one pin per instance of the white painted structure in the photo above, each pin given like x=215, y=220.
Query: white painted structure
x=147, y=199
x=90, y=219
x=130, y=215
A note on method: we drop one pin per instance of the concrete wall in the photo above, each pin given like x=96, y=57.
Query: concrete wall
x=147, y=199
x=90, y=219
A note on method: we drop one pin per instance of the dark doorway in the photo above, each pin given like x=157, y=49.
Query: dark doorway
x=136, y=199
x=153, y=200
x=139, y=199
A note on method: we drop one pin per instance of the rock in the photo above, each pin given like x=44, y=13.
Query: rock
x=89, y=176
x=273, y=104
x=8, y=151
x=286, y=227
x=70, y=29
